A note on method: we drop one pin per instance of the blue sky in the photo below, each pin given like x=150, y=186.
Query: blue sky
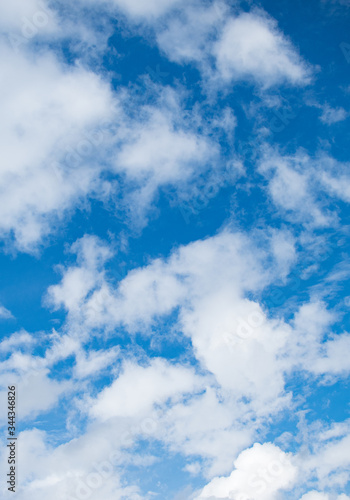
x=174, y=296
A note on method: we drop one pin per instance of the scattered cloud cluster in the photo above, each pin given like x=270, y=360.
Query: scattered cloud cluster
x=296, y=184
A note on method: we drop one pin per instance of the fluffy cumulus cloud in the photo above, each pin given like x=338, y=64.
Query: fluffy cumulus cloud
x=328, y=114
x=50, y=116
x=260, y=472
x=333, y=115
x=153, y=384
x=296, y=184
x=251, y=47
x=231, y=47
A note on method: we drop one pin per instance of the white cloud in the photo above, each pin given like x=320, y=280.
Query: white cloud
x=283, y=248
x=212, y=426
x=47, y=109
x=38, y=391
x=161, y=146
x=289, y=190
x=27, y=24
x=330, y=463
x=315, y=495
x=314, y=347
x=252, y=47
x=322, y=460
x=153, y=384
x=337, y=184
x=228, y=48
x=38, y=387
x=24, y=19
x=333, y=115
x=297, y=182
x=5, y=313
x=93, y=362
x=137, y=9
x=17, y=339
x=161, y=149
x=189, y=36
x=333, y=358
x=78, y=281
x=260, y=473
x=158, y=288
x=329, y=115
x=35, y=376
